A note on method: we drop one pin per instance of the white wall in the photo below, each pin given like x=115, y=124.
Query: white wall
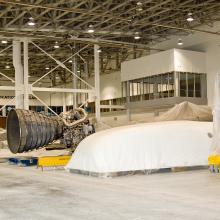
x=53, y=99
x=213, y=67
x=110, y=86
x=189, y=61
x=163, y=62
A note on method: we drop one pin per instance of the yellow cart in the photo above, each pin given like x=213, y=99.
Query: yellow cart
x=53, y=161
x=214, y=163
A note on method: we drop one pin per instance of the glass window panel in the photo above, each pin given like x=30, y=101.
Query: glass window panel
x=183, y=87
x=146, y=88
x=135, y=88
x=151, y=88
x=164, y=85
x=190, y=79
x=131, y=88
x=197, y=85
x=171, y=84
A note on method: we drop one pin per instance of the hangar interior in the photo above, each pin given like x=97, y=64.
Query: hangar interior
x=116, y=103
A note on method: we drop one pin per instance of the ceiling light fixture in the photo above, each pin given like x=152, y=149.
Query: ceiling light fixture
x=56, y=46
x=47, y=68
x=139, y=6
x=70, y=61
x=90, y=29
x=180, y=42
x=99, y=50
x=4, y=41
x=137, y=36
x=7, y=67
x=190, y=18
x=31, y=22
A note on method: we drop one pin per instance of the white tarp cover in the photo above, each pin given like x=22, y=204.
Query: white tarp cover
x=144, y=147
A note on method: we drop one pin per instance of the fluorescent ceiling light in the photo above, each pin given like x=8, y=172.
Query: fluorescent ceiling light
x=4, y=41
x=70, y=61
x=139, y=6
x=7, y=67
x=31, y=22
x=137, y=36
x=56, y=46
x=91, y=29
x=47, y=68
x=99, y=50
x=190, y=18
x=180, y=42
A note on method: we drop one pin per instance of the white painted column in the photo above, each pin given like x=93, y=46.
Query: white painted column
x=19, y=80
x=26, y=73
x=128, y=100
x=4, y=111
x=110, y=103
x=97, y=83
x=64, y=101
x=74, y=69
x=176, y=84
x=45, y=110
x=86, y=79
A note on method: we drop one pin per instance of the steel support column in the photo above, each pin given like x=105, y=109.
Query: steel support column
x=97, y=82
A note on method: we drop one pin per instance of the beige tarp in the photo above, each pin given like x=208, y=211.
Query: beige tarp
x=187, y=111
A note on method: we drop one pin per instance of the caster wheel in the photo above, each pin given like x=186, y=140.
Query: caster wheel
x=216, y=169
x=211, y=168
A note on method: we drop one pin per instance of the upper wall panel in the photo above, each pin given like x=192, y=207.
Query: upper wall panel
x=149, y=65
x=189, y=61
x=166, y=61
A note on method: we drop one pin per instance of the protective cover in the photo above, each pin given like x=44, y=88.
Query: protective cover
x=187, y=111
x=145, y=146
x=216, y=118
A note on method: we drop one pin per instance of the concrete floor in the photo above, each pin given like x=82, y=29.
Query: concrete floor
x=28, y=193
